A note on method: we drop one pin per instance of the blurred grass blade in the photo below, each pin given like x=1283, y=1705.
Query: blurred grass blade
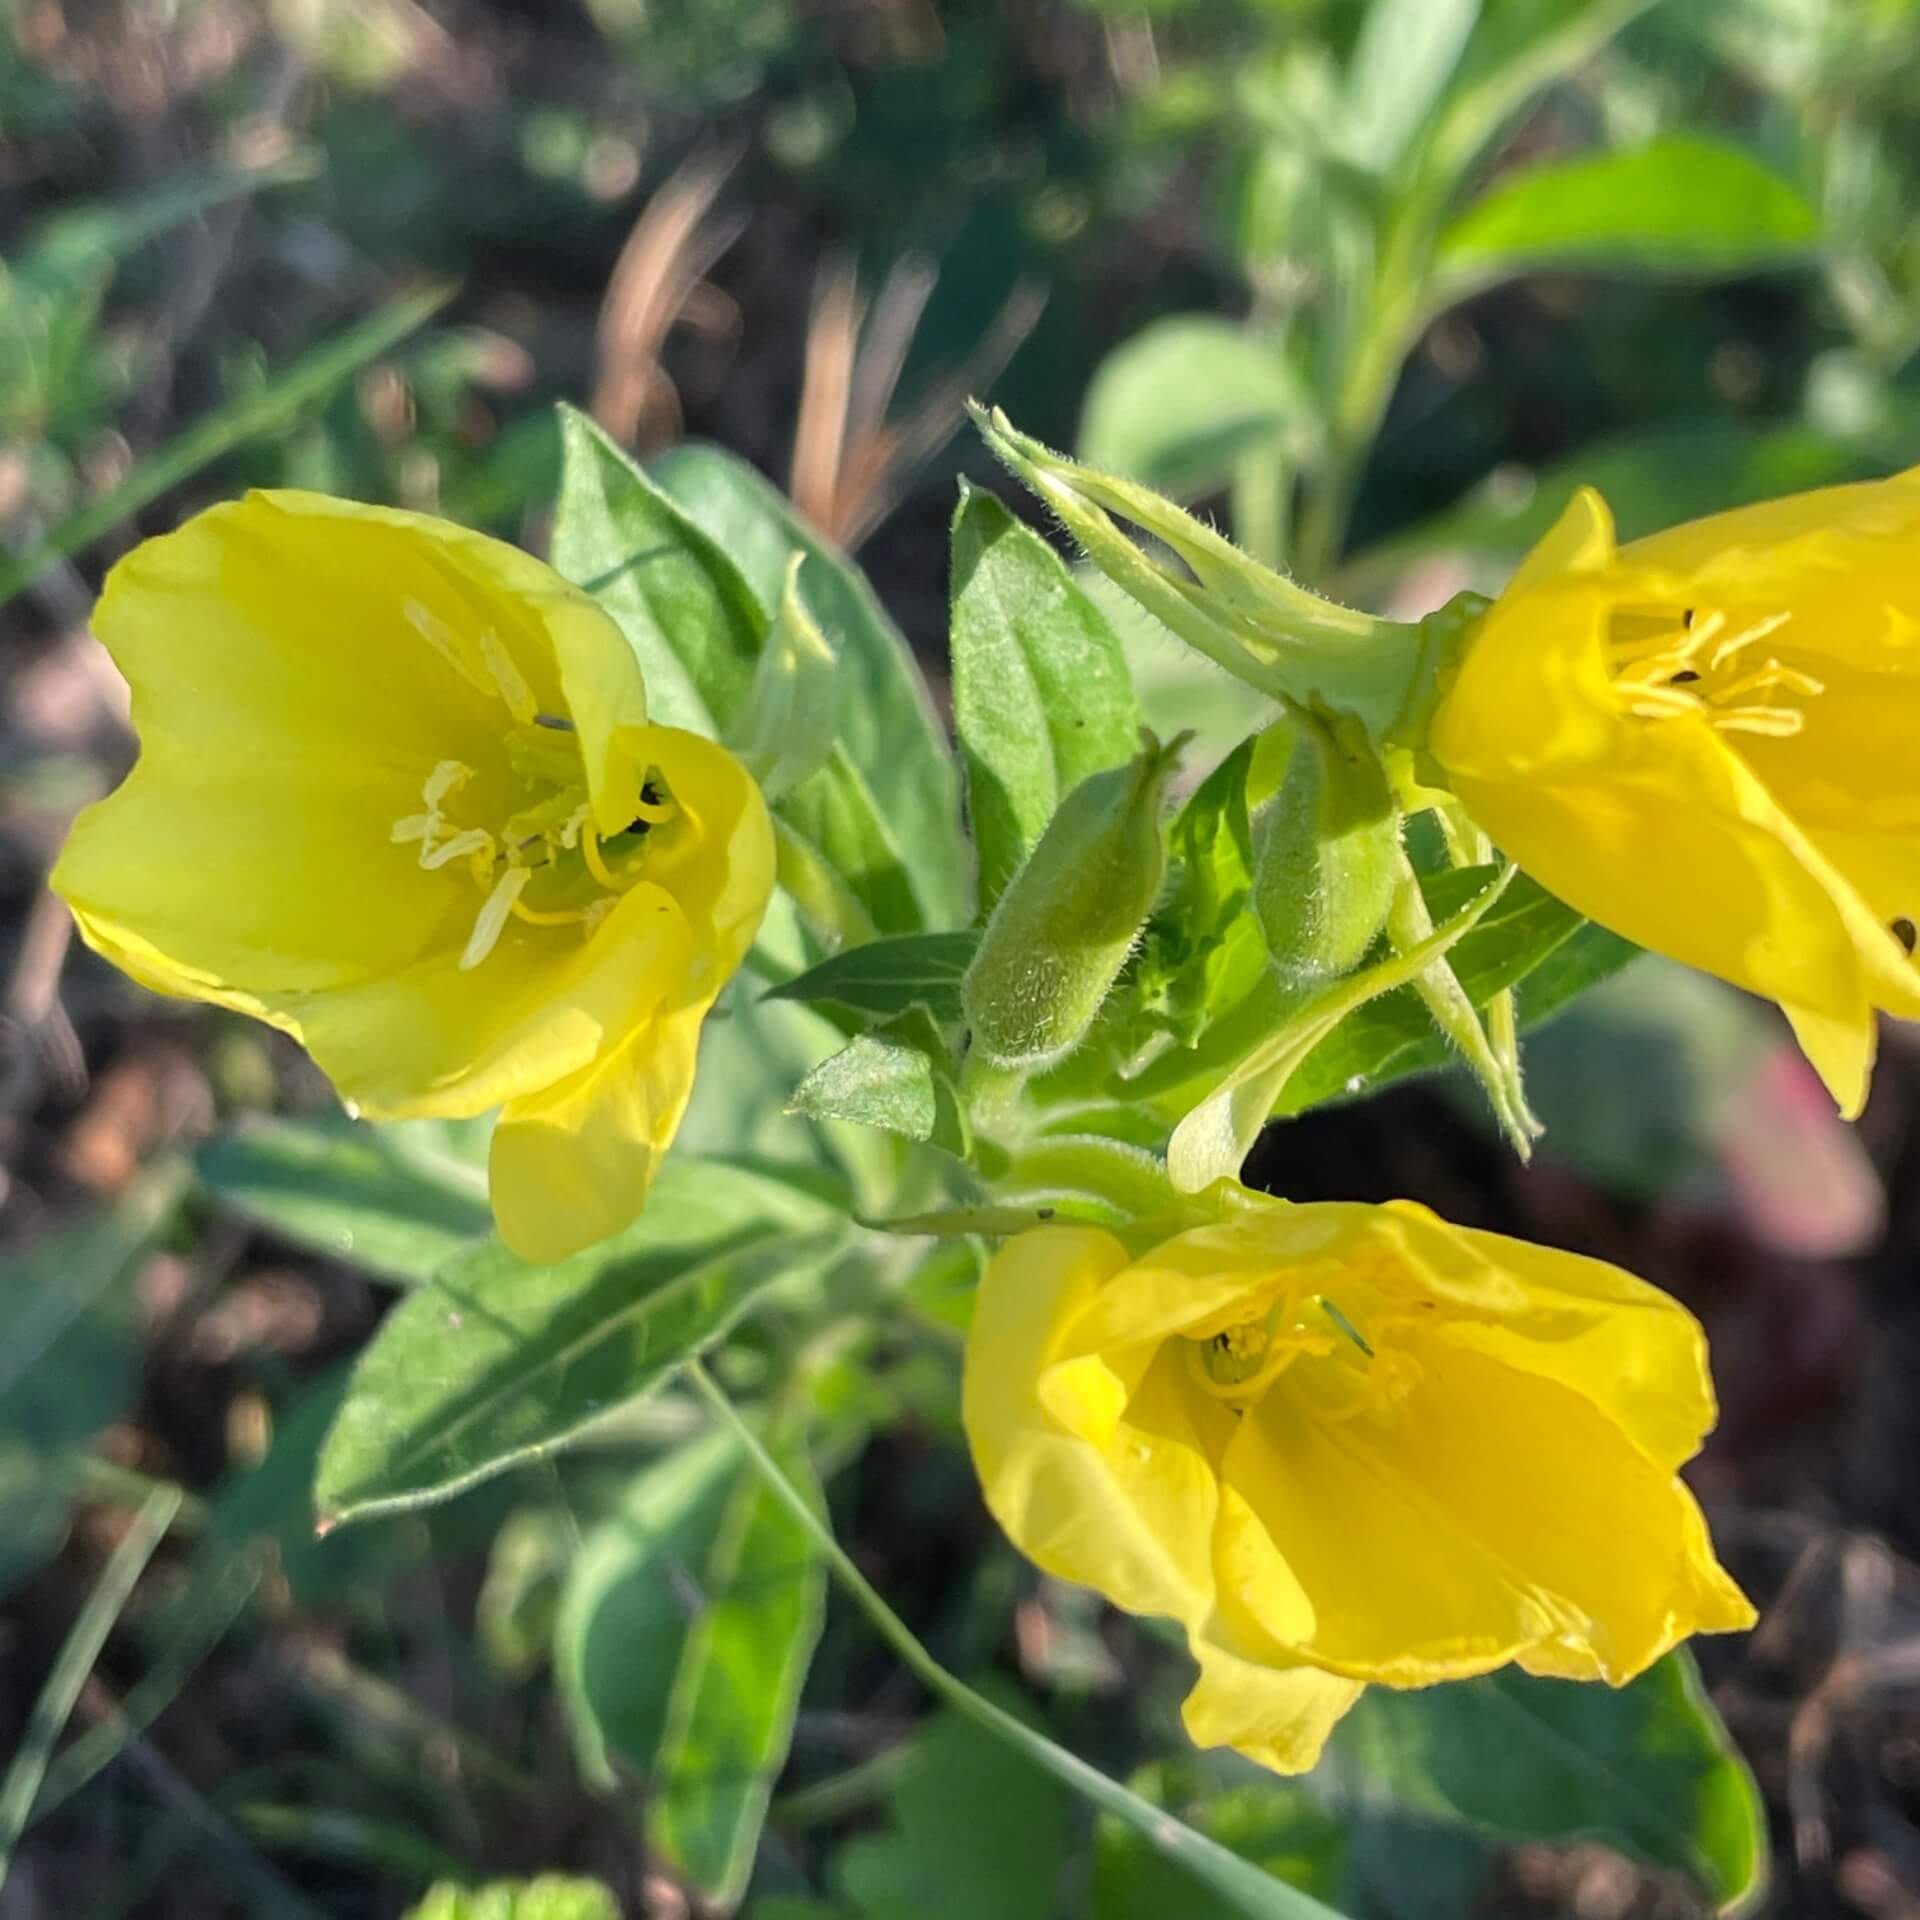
x=1240, y=1886
x=310, y=377
x=210, y=1607
x=70, y=1670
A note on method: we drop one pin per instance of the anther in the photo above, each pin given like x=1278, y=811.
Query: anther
x=492, y=917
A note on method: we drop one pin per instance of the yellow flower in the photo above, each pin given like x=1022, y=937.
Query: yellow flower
x=397, y=795
x=1705, y=741
x=1348, y=1444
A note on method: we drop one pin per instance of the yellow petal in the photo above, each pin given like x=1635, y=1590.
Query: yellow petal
x=299, y=666
x=1482, y=1512
x=1734, y=542
x=1278, y=1717
x=571, y=1164
x=1630, y=1350
x=1682, y=850
x=1131, y=1518
x=439, y=1040
x=1580, y=541
x=717, y=856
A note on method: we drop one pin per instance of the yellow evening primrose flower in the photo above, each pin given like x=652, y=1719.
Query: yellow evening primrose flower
x=397, y=795
x=1705, y=740
x=1347, y=1445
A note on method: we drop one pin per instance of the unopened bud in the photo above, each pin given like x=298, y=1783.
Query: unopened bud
x=1068, y=919
x=1325, y=859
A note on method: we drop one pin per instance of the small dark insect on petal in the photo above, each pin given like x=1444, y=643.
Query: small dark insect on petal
x=1903, y=930
x=1684, y=677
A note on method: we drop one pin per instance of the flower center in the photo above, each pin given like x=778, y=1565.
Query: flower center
x=1239, y=1363
x=546, y=862
x=1663, y=669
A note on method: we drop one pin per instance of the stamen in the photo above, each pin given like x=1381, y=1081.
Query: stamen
x=448, y=776
x=474, y=840
x=1735, y=642
x=1663, y=703
x=1773, y=674
x=492, y=917
x=1777, y=723
x=508, y=679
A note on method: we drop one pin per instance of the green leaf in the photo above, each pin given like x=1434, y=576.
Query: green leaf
x=838, y=812
x=972, y=1838
x=1402, y=62
x=377, y=1198
x=1647, y=1768
x=889, y=729
x=260, y=411
x=683, y=1634
x=895, y=1078
x=785, y=731
x=887, y=977
x=686, y=612
x=1281, y=1829
x=551, y=1897
x=1679, y=204
x=1528, y=940
x=1179, y=403
x=736, y=1691
x=1538, y=946
x=496, y=1362
x=68, y=1368
x=1041, y=696
x=1204, y=949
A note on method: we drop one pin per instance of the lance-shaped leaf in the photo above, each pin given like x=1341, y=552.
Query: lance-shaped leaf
x=785, y=730
x=680, y=601
x=886, y=977
x=1680, y=204
x=889, y=732
x=1041, y=695
x=496, y=1362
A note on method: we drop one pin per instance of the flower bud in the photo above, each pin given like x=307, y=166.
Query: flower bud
x=1325, y=859
x=1068, y=919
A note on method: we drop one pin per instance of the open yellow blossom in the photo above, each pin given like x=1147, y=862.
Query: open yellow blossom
x=397, y=795
x=1347, y=1444
x=1705, y=740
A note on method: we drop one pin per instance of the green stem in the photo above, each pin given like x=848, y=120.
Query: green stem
x=1245, y=1889
x=1131, y=1179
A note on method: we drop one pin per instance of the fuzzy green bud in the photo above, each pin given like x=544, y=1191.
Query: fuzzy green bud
x=1325, y=858
x=1063, y=928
